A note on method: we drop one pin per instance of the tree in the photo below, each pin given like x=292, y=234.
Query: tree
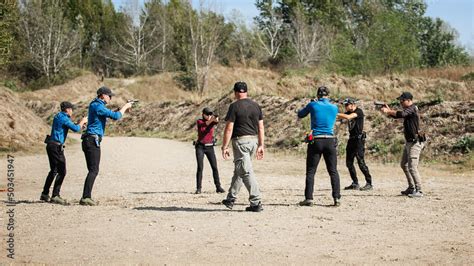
x=137, y=41
x=8, y=20
x=271, y=27
x=206, y=29
x=307, y=37
x=158, y=17
x=51, y=39
x=437, y=45
x=242, y=38
x=391, y=45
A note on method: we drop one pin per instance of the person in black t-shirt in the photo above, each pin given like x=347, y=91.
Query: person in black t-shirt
x=244, y=125
x=414, y=142
x=356, y=144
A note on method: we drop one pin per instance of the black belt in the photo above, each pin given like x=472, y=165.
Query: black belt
x=91, y=135
x=360, y=136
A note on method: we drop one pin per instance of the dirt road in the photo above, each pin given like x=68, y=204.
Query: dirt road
x=148, y=214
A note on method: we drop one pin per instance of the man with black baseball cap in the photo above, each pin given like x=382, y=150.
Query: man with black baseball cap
x=414, y=142
x=62, y=123
x=356, y=144
x=324, y=143
x=91, y=139
x=205, y=146
x=244, y=126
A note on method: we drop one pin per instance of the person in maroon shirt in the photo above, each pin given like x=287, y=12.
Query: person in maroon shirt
x=205, y=146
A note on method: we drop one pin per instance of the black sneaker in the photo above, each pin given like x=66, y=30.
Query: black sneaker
x=416, y=194
x=198, y=191
x=228, y=203
x=353, y=186
x=45, y=197
x=366, y=187
x=407, y=191
x=337, y=202
x=306, y=202
x=257, y=208
x=219, y=189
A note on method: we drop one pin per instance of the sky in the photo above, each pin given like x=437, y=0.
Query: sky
x=458, y=13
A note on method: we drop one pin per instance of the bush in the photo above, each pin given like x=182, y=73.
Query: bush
x=464, y=145
x=186, y=80
x=11, y=85
x=468, y=77
x=58, y=79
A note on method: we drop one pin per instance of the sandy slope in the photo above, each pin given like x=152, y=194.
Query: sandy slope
x=148, y=214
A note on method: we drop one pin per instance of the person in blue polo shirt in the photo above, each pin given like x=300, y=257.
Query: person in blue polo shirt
x=324, y=143
x=91, y=139
x=55, y=149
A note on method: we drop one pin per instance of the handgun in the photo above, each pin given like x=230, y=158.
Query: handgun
x=379, y=104
x=133, y=102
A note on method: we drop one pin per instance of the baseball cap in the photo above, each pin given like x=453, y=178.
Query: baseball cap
x=207, y=111
x=405, y=96
x=240, y=86
x=349, y=101
x=66, y=105
x=104, y=90
x=323, y=91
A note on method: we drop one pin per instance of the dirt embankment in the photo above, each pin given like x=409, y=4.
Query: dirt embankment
x=20, y=128
x=80, y=91
x=446, y=124
x=166, y=110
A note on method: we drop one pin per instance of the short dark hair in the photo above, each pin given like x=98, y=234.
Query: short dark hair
x=322, y=91
x=66, y=105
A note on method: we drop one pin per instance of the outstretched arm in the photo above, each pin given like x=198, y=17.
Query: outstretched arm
x=389, y=112
x=345, y=116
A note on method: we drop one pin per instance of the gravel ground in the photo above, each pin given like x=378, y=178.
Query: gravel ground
x=148, y=214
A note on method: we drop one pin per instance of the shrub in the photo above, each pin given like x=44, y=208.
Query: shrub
x=468, y=77
x=464, y=145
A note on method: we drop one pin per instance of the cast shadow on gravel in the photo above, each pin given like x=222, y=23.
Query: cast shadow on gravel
x=27, y=202
x=159, y=192
x=181, y=209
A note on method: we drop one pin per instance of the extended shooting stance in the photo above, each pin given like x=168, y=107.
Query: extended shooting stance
x=205, y=146
x=92, y=138
x=356, y=144
x=414, y=142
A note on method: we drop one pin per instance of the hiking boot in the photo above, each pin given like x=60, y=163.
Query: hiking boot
x=219, y=189
x=45, y=197
x=366, y=187
x=228, y=203
x=353, y=186
x=337, y=202
x=59, y=200
x=198, y=191
x=256, y=208
x=407, y=191
x=306, y=202
x=416, y=194
x=87, y=202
